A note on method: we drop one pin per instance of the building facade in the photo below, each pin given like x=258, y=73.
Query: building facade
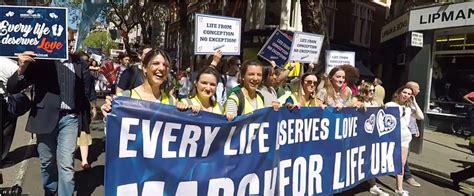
x=442, y=63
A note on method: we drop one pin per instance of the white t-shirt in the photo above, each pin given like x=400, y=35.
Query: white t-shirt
x=7, y=69
x=405, y=115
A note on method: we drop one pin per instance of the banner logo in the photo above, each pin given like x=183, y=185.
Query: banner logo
x=386, y=123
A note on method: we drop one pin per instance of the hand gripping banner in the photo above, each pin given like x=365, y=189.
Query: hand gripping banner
x=154, y=149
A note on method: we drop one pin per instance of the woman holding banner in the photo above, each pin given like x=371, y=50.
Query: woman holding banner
x=203, y=94
x=403, y=99
x=364, y=99
x=305, y=96
x=245, y=98
x=156, y=87
x=365, y=96
x=334, y=93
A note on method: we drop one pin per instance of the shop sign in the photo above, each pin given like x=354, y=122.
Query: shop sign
x=454, y=15
x=335, y=58
x=416, y=39
x=217, y=32
x=395, y=28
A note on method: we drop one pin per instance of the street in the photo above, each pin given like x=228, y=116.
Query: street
x=91, y=182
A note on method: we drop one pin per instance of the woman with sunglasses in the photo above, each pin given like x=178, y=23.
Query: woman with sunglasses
x=155, y=87
x=365, y=96
x=403, y=99
x=305, y=96
x=246, y=99
x=203, y=94
x=334, y=93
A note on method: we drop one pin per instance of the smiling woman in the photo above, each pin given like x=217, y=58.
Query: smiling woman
x=245, y=98
x=156, y=87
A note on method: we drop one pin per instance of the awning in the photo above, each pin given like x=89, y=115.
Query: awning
x=363, y=71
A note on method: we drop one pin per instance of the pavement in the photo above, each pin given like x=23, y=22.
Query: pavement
x=442, y=154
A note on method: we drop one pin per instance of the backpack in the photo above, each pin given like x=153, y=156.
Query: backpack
x=134, y=73
x=238, y=92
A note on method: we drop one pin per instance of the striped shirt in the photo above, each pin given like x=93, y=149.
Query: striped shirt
x=67, y=82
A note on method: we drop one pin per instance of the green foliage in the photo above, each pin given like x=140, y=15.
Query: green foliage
x=100, y=39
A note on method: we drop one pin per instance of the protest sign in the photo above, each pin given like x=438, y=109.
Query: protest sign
x=277, y=48
x=335, y=58
x=217, y=32
x=306, y=47
x=154, y=149
x=42, y=30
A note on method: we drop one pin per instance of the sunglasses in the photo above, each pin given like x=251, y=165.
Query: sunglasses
x=372, y=90
x=308, y=82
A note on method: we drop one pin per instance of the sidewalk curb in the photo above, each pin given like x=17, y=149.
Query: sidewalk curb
x=438, y=173
x=25, y=163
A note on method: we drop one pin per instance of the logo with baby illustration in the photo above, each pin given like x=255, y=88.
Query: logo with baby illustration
x=385, y=123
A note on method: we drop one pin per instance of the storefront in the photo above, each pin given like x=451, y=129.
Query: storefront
x=452, y=77
x=451, y=65
x=443, y=64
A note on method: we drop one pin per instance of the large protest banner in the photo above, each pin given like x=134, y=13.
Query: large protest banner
x=306, y=47
x=154, y=149
x=217, y=32
x=335, y=58
x=277, y=48
x=42, y=30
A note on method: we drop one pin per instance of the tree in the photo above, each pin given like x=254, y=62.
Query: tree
x=99, y=39
x=314, y=16
x=156, y=12
x=125, y=17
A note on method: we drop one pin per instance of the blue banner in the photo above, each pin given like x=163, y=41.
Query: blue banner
x=42, y=30
x=277, y=48
x=154, y=149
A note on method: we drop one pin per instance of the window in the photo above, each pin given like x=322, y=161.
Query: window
x=330, y=6
x=272, y=12
x=362, y=22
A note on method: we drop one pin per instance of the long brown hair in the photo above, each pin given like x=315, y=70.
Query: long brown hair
x=330, y=90
x=167, y=86
x=206, y=70
x=364, y=90
x=396, y=95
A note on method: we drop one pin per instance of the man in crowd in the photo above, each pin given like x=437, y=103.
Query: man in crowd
x=413, y=126
x=124, y=61
x=379, y=94
x=133, y=75
x=60, y=110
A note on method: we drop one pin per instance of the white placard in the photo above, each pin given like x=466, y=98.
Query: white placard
x=395, y=28
x=306, y=47
x=453, y=15
x=416, y=39
x=335, y=58
x=217, y=32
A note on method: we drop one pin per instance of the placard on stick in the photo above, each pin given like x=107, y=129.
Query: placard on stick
x=277, y=48
x=306, y=47
x=335, y=58
x=217, y=32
